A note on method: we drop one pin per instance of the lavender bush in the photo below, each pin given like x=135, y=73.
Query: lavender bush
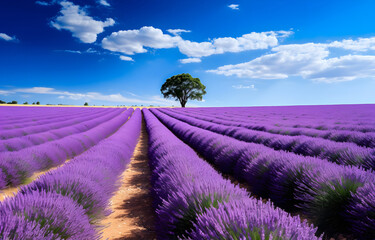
x=294, y=182
x=78, y=192
x=190, y=194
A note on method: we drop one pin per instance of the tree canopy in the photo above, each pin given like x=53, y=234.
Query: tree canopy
x=183, y=87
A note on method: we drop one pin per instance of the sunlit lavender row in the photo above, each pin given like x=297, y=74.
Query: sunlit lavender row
x=195, y=202
x=17, y=166
x=338, y=199
x=216, y=173
x=344, y=153
x=68, y=202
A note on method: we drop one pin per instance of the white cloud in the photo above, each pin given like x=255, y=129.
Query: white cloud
x=252, y=86
x=104, y=3
x=88, y=96
x=126, y=58
x=250, y=41
x=88, y=51
x=7, y=38
x=361, y=44
x=234, y=6
x=190, y=60
x=135, y=41
x=196, y=49
x=5, y=92
x=75, y=19
x=42, y=3
x=73, y=51
x=309, y=61
x=177, y=32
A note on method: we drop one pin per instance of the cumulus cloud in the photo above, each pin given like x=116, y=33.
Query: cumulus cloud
x=190, y=60
x=126, y=58
x=75, y=19
x=7, y=38
x=250, y=41
x=361, y=44
x=309, y=61
x=104, y=3
x=234, y=6
x=177, y=31
x=136, y=41
x=130, y=42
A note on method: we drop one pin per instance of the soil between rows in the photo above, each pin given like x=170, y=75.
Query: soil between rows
x=133, y=214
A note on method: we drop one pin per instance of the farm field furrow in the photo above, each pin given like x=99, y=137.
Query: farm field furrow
x=17, y=166
x=366, y=139
x=81, y=125
x=195, y=202
x=297, y=117
x=132, y=214
x=193, y=173
x=31, y=116
x=18, y=132
x=69, y=202
x=28, y=127
x=334, y=197
x=341, y=153
x=18, y=143
x=336, y=117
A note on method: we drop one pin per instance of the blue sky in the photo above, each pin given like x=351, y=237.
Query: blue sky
x=247, y=53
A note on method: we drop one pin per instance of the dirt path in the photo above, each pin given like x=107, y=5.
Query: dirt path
x=133, y=215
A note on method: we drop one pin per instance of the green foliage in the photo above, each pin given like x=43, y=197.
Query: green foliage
x=25, y=103
x=13, y=102
x=38, y=103
x=330, y=204
x=197, y=205
x=183, y=87
x=86, y=104
x=263, y=233
x=2, y=102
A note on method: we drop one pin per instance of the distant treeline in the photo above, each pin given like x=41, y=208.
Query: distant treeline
x=15, y=102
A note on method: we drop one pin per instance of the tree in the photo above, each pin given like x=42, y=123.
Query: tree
x=13, y=102
x=183, y=87
x=37, y=103
x=2, y=102
x=86, y=104
x=25, y=103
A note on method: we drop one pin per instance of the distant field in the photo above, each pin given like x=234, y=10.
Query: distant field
x=296, y=172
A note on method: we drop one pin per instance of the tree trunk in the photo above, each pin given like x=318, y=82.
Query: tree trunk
x=183, y=104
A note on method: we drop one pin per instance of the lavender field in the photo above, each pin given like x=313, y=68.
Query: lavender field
x=296, y=172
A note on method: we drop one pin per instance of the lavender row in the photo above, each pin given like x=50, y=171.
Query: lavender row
x=18, y=115
x=361, y=139
x=349, y=117
x=341, y=153
x=18, y=132
x=16, y=167
x=24, y=122
x=68, y=202
x=293, y=122
x=193, y=201
x=337, y=199
x=84, y=124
